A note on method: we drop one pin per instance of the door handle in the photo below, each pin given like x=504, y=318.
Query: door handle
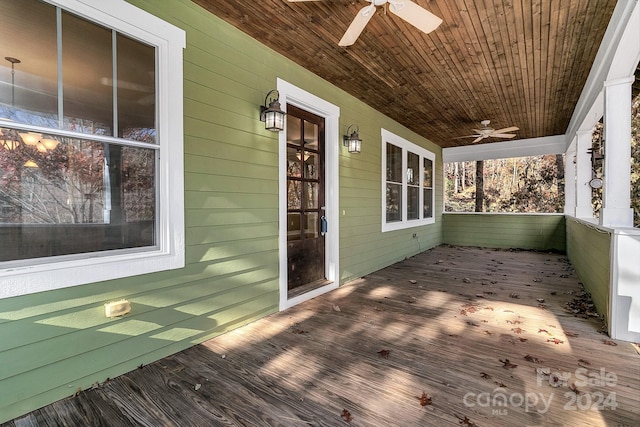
x=323, y=225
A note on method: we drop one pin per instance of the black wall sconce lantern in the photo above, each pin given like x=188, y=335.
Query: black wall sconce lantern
x=272, y=115
x=352, y=140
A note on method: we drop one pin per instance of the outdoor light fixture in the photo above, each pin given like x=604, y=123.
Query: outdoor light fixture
x=272, y=116
x=352, y=140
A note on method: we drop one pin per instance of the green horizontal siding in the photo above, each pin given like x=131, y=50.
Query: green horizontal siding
x=589, y=249
x=54, y=343
x=522, y=231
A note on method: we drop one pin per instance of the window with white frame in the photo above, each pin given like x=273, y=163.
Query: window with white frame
x=407, y=187
x=91, y=175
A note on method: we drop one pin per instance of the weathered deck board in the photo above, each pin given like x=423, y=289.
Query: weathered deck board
x=447, y=317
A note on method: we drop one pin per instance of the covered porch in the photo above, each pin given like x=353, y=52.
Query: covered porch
x=452, y=336
x=493, y=326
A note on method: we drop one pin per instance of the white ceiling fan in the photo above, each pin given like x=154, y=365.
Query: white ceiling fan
x=488, y=132
x=415, y=15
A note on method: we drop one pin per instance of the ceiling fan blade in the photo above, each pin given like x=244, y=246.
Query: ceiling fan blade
x=478, y=139
x=357, y=25
x=505, y=130
x=467, y=136
x=502, y=135
x=415, y=15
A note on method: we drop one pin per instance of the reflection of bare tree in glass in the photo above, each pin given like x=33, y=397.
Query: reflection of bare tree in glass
x=67, y=186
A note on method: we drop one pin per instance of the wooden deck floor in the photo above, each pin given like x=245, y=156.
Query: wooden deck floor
x=445, y=329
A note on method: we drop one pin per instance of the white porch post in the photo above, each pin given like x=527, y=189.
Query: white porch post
x=616, y=196
x=584, y=174
x=570, y=180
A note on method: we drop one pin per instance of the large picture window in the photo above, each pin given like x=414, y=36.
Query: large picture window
x=407, y=171
x=83, y=184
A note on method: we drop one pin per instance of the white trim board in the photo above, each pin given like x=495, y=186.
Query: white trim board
x=506, y=149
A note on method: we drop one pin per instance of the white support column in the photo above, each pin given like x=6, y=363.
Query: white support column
x=616, y=196
x=570, y=179
x=584, y=173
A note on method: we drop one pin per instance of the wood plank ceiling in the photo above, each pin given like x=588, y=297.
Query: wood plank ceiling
x=515, y=62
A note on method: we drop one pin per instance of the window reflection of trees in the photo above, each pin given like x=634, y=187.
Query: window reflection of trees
x=66, y=185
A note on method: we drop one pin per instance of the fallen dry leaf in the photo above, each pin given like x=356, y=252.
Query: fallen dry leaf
x=544, y=331
x=487, y=333
x=470, y=323
x=466, y=422
x=609, y=342
x=574, y=389
x=506, y=364
x=532, y=359
x=585, y=361
x=336, y=308
x=346, y=415
x=298, y=331
x=514, y=296
x=518, y=330
x=570, y=334
x=555, y=341
x=485, y=375
x=384, y=353
x=466, y=280
x=425, y=399
x=500, y=384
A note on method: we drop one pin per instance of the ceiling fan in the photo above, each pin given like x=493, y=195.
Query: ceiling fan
x=488, y=132
x=415, y=15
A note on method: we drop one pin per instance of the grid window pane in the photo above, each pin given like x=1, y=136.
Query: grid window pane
x=394, y=163
x=87, y=82
x=428, y=173
x=136, y=90
x=29, y=89
x=413, y=202
x=311, y=230
x=428, y=203
x=413, y=169
x=394, y=202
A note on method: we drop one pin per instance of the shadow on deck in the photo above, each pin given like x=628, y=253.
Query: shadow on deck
x=453, y=336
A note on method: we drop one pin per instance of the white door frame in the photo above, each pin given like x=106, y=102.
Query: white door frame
x=290, y=94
